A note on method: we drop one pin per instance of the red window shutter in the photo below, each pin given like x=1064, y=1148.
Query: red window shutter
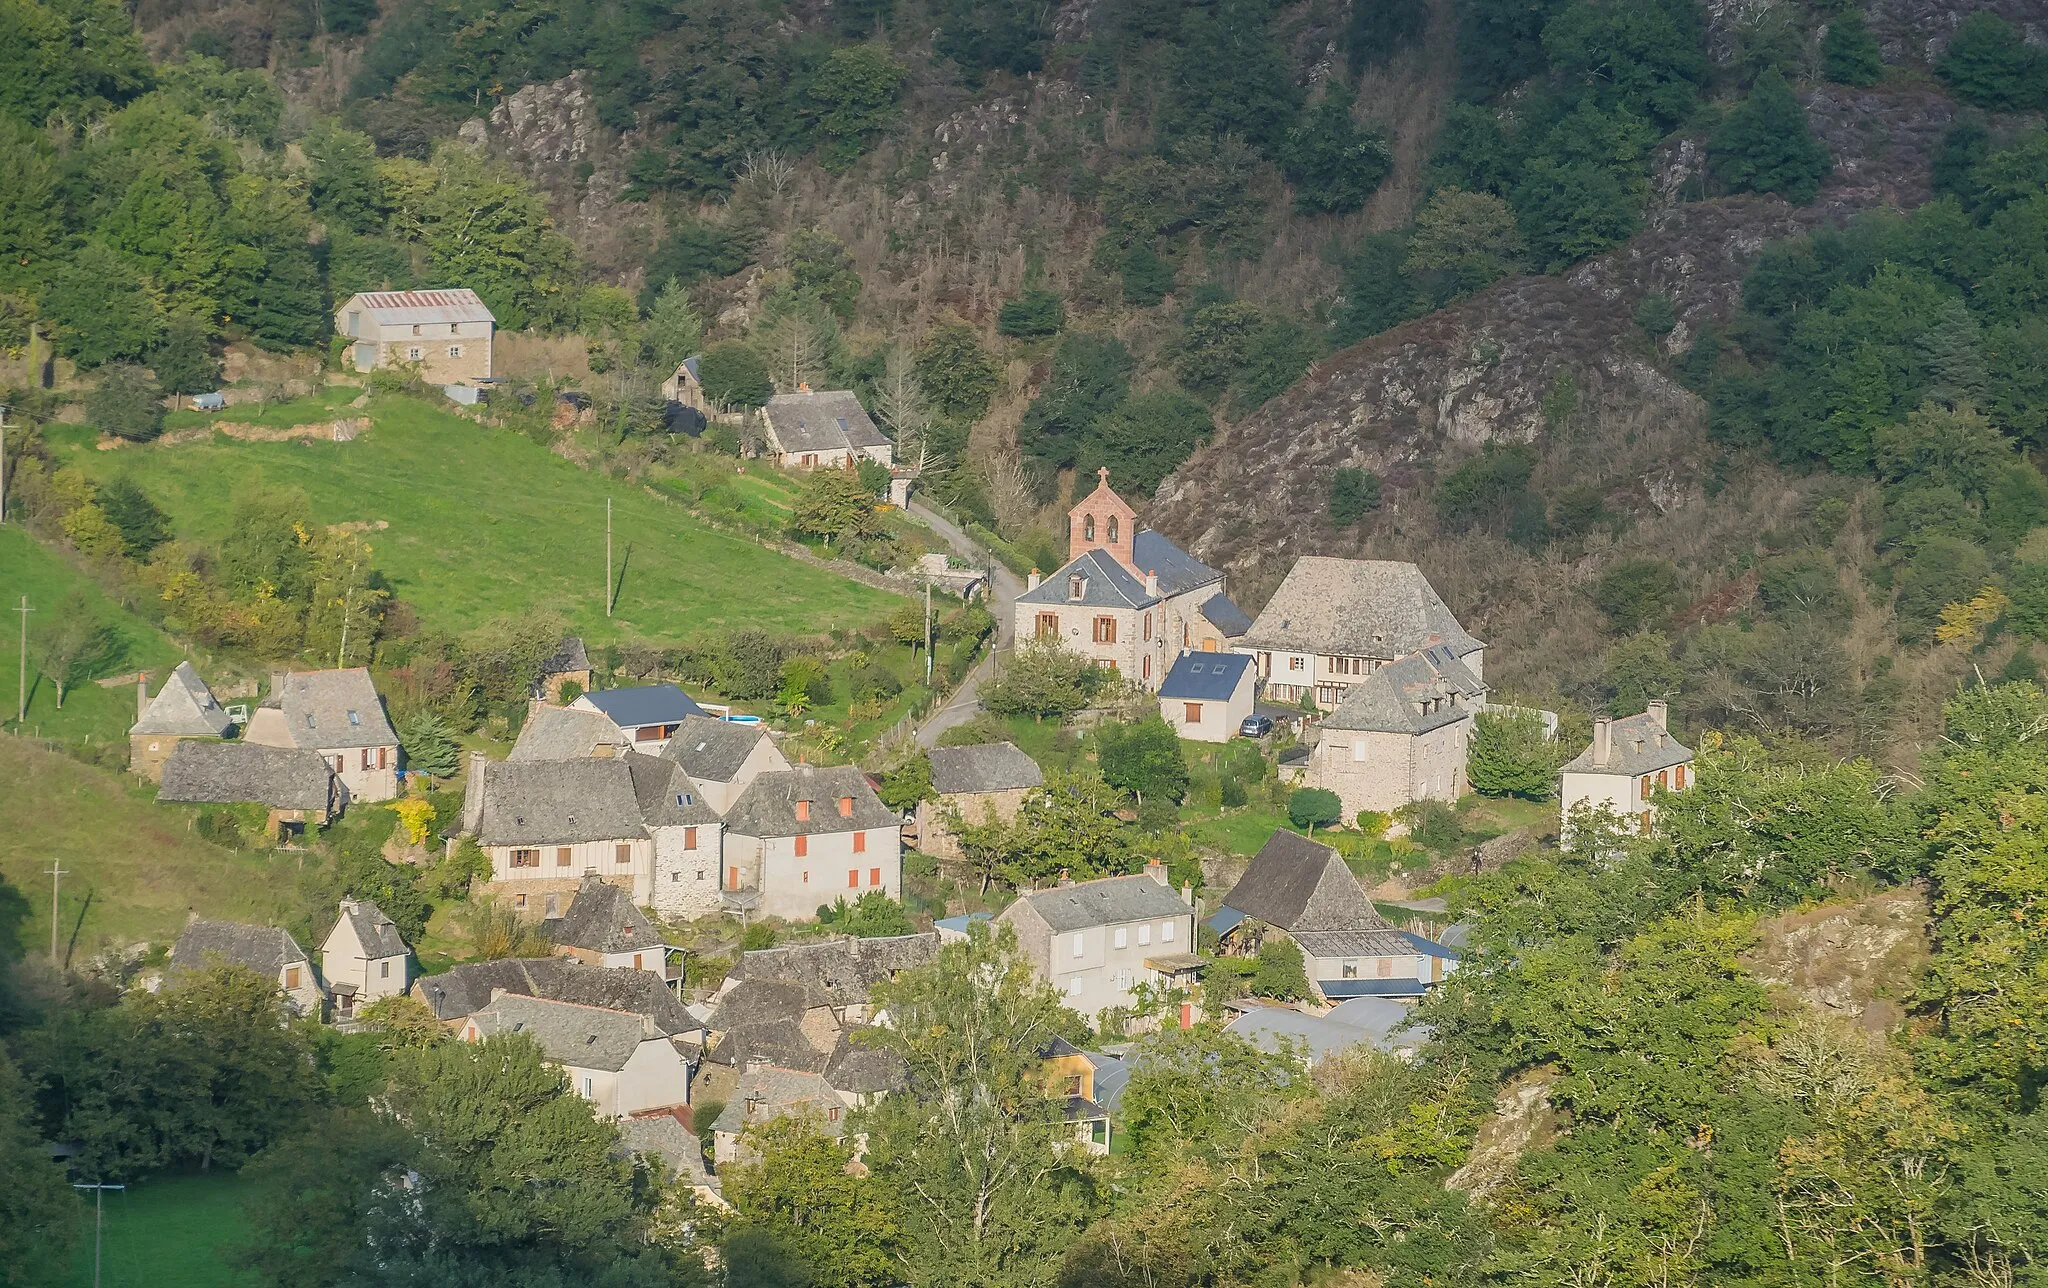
x=689, y=838
x=846, y=807
x=383, y=757
x=732, y=878
x=636, y=961
x=874, y=876
x=852, y=878
x=803, y=846
x=562, y=853
x=860, y=842
x=366, y=758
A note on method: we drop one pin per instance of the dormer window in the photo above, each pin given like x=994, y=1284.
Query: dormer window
x=846, y=807
x=803, y=811
x=1112, y=529
x=354, y=719
x=309, y=720
x=1077, y=586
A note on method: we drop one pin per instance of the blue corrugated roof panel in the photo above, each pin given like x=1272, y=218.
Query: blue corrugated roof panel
x=1372, y=987
x=649, y=704
x=1224, y=920
x=1210, y=677
x=1429, y=946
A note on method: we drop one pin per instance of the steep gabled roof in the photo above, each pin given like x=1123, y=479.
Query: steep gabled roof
x=263, y=949
x=862, y=1069
x=1223, y=613
x=1178, y=570
x=1638, y=745
x=467, y=989
x=768, y=1092
x=667, y=796
x=558, y=802
x=1356, y=607
x=602, y=919
x=569, y=656
x=711, y=750
x=226, y=773
x=1411, y=695
x=333, y=709
x=377, y=933
x=1109, y=901
x=1205, y=677
x=1106, y=584
x=1298, y=885
x=830, y=421
x=584, y=1036
x=985, y=767
x=836, y=971
x=768, y=806
x=184, y=708
x=567, y=733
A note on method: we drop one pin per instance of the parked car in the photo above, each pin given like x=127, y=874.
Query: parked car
x=1255, y=726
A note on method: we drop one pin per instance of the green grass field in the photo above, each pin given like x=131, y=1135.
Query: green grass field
x=135, y=868
x=471, y=523
x=168, y=1233
x=48, y=579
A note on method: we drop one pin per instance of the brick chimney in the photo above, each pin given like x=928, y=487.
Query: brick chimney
x=1156, y=870
x=1657, y=711
x=1603, y=741
x=1031, y=582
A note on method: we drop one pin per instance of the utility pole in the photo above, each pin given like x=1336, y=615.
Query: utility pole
x=347, y=594
x=21, y=703
x=99, y=1212
x=3, y=462
x=57, y=874
x=607, y=556
x=927, y=632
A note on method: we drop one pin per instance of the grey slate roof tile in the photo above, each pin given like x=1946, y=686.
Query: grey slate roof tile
x=1356, y=607
x=1178, y=570
x=768, y=806
x=1205, y=677
x=986, y=767
x=226, y=773
x=1300, y=886
x=1639, y=746
x=566, y=733
x=602, y=919
x=1411, y=695
x=263, y=949
x=667, y=796
x=711, y=750
x=184, y=708
x=766, y=1093
x=829, y=421
x=559, y=802
x=467, y=989
x=377, y=933
x=1105, y=584
x=333, y=709
x=838, y=972
x=1108, y=901
x=584, y=1036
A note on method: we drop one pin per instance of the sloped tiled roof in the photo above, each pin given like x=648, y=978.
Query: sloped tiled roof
x=1639, y=745
x=226, y=773
x=467, y=989
x=263, y=949
x=566, y=733
x=1354, y=943
x=1210, y=677
x=559, y=802
x=184, y=708
x=333, y=709
x=1356, y=607
x=568, y=657
x=839, y=970
x=768, y=806
x=663, y=1137
x=829, y=421
x=767, y=1093
x=1106, y=902
x=644, y=704
x=1106, y=584
x=863, y=1069
x=1411, y=695
x=1224, y=614
x=985, y=767
x=1178, y=570
x=1298, y=885
x=602, y=919
x=711, y=750
x=584, y=1036
x=667, y=796
x=408, y=307
x=377, y=933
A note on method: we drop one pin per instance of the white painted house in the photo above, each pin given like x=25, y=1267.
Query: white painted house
x=619, y=1061
x=1096, y=942
x=364, y=958
x=798, y=839
x=1628, y=762
x=1206, y=696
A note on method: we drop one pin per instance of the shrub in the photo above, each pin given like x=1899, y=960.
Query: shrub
x=1655, y=316
x=1638, y=593
x=126, y=403
x=1353, y=493
x=1313, y=807
x=1230, y=792
x=1511, y=757
x=1032, y=315
x=1433, y=824
x=1485, y=489
x=1990, y=64
x=1848, y=53
x=734, y=375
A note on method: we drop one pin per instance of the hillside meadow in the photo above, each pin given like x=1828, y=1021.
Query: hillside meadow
x=470, y=523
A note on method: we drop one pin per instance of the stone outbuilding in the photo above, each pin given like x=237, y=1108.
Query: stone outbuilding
x=568, y=733
x=297, y=787
x=808, y=431
x=1206, y=696
x=603, y=928
x=339, y=715
x=974, y=784
x=1401, y=734
x=1628, y=762
x=569, y=664
x=184, y=708
x=446, y=335
x=268, y=950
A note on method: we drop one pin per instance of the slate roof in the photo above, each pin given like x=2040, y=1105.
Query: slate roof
x=558, y=802
x=602, y=919
x=777, y=1092
x=711, y=750
x=831, y=421
x=404, y=308
x=778, y=1042
x=225, y=773
x=263, y=949
x=766, y=1000
x=1635, y=749
x=1108, y=901
x=1178, y=570
x=768, y=806
x=1106, y=584
x=1393, y=698
x=864, y=1070
x=1224, y=614
x=333, y=709
x=184, y=708
x=1356, y=607
x=377, y=933
x=986, y=767
x=667, y=796
x=566, y=733
x=646, y=704
x=838, y=971
x=1369, y=1021
x=569, y=656
x=587, y=1037
x=467, y=989
x=1210, y=677
x=1298, y=885
x=1354, y=943
x=663, y=1137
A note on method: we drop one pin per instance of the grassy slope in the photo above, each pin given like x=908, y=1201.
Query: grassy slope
x=484, y=522
x=135, y=867
x=166, y=1233
x=48, y=579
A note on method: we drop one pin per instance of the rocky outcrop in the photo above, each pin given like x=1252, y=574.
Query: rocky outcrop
x=1853, y=960
x=1523, y=1120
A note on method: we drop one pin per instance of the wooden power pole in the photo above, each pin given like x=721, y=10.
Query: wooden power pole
x=607, y=556
x=21, y=702
x=57, y=874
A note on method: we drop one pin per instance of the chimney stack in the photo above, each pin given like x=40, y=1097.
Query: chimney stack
x=1152, y=583
x=1603, y=741
x=1031, y=582
x=473, y=794
x=277, y=683
x=1656, y=712
x=1157, y=871
x=141, y=693
x=1187, y=893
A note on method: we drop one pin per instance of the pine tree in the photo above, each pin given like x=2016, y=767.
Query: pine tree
x=1765, y=145
x=1955, y=356
x=1849, y=54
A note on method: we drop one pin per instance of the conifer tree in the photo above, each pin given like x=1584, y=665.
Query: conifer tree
x=1765, y=145
x=1848, y=53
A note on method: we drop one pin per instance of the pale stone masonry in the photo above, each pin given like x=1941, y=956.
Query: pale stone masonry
x=364, y=957
x=1096, y=942
x=1127, y=598
x=339, y=715
x=1333, y=622
x=445, y=334
x=1621, y=771
x=183, y=708
x=978, y=783
x=1401, y=734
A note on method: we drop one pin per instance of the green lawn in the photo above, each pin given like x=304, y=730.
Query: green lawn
x=48, y=580
x=135, y=868
x=166, y=1233
x=471, y=523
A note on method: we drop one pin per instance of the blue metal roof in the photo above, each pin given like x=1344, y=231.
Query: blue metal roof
x=1372, y=987
x=1429, y=946
x=1211, y=677
x=958, y=925
x=649, y=704
x=1224, y=920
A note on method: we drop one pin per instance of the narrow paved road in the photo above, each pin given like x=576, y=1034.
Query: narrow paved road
x=1004, y=587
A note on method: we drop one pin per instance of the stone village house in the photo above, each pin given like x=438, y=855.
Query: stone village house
x=619, y=1061
x=1096, y=942
x=446, y=334
x=973, y=784
x=829, y=430
x=1401, y=734
x=267, y=950
x=722, y=757
x=1621, y=771
x=364, y=958
x=1334, y=621
x=183, y=708
x=798, y=839
x=298, y=787
x=603, y=928
x=339, y=715
x=1127, y=598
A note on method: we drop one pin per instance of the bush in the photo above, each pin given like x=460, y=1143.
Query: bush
x=1485, y=489
x=1848, y=53
x=1764, y=145
x=1433, y=824
x=1990, y=64
x=1511, y=757
x=1353, y=493
x=1637, y=593
x=1655, y=316
x=1313, y=807
x=734, y=375
x=126, y=403
x=1032, y=315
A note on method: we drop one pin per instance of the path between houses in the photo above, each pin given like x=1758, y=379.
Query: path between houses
x=1004, y=587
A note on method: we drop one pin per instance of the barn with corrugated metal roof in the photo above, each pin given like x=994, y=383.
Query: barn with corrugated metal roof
x=446, y=335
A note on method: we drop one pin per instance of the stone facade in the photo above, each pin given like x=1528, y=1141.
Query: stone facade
x=1383, y=771
x=686, y=870
x=937, y=840
x=445, y=334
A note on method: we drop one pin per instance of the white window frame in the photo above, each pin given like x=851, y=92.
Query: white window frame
x=1080, y=944
x=1121, y=934
x=1165, y=932
x=1144, y=934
